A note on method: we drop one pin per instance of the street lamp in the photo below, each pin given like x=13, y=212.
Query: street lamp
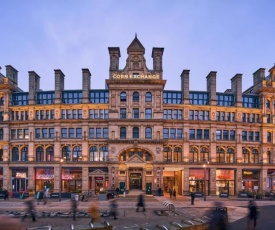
x=60, y=183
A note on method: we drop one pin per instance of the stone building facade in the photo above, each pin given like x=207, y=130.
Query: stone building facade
x=136, y=135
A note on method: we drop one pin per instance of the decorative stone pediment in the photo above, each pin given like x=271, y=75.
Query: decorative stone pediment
x=98, y=171
x=135, y=159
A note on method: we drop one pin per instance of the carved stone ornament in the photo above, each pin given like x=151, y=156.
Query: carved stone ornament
x=135, y=159
x=113, y=149
x=158, y=150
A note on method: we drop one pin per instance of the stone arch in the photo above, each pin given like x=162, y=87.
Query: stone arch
x=130, y=147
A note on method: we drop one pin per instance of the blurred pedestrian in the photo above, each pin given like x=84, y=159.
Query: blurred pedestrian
x=113, y=208
x=174, y=194
x=140, y=203
x=218, y=217
x=170, y=193
x=30, y=210
x=252, y=214
x=6, y=194
x=93, y=210
x=46, y=195
x=117, y=191
x=39, y=196
x=192, y=197
x=74, y=207
x=159, y=191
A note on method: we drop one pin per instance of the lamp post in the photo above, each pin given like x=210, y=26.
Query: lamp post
x=60, y=183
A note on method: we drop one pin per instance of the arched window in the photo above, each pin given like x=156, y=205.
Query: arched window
x=148, y=133
x=269, y=157
x=49, y=154
x=177, y=154
x=123, y=133
x=148, y=157
x=220, y=155
x=230, y=155
x=122, y=157
x=93, y=153
x=15, y=154
x=204, y=154
x=193, y=154
x=135, y=97
x=123, y=96
x=66, y=153
x=254, y=156
x=77, y=153
x=268, y=104
x=24, y=154
x=39, y=154
x=135, y=132
x=148, y=97
x=245, y=155
x=167, y=154
x=103, y=154
x=2, y=101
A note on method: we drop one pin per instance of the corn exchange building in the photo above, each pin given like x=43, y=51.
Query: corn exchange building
x=135, y=135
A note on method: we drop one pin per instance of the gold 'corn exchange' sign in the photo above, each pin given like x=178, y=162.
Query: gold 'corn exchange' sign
x=136, y=76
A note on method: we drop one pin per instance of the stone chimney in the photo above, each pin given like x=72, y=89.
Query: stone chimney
x=185, y=86
x=236, y=89
x=34, y=86
x=272, y=73
x=114, y=53
x=12, y=74
x=86, y=85
x=59, y=85
x=157, y=54
x=258, y=76
x=211, y=87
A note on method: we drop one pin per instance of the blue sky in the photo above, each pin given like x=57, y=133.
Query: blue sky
x=229, y=37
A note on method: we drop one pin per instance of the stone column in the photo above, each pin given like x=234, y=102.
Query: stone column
x=212, y=180
x=31, y=178
x=263, y=181
x=85, y=179
x=186, y=181
x=238, y=183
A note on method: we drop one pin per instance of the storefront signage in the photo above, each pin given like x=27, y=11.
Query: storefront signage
x=67, y=177
x=243, y=194
x=45, y=176
x=142, y=76
x=224, y=194
x=20, y=175
x=247, y=173
x=99, y=178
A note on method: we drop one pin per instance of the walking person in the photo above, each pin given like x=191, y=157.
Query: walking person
x=6, y=194
x=117, y=191
x=140, y=203
x=159, y=191
x=113, y=208
x=39, y=196
x=252, y=214
x=94, y=212
x=174, y=194
x=192, y=197
x=46, y=195
x=30, y=210
x=170, y=193
x=74, y=207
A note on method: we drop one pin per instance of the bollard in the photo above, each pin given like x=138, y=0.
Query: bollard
x=72, y=227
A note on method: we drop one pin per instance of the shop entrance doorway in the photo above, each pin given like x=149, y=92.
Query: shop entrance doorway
x=135, y=181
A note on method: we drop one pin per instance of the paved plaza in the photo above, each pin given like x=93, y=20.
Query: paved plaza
x=128, y=218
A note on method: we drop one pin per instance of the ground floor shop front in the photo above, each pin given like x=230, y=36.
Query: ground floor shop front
x=222, y=181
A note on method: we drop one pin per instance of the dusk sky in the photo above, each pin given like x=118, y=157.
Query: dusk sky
x=227, y=36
